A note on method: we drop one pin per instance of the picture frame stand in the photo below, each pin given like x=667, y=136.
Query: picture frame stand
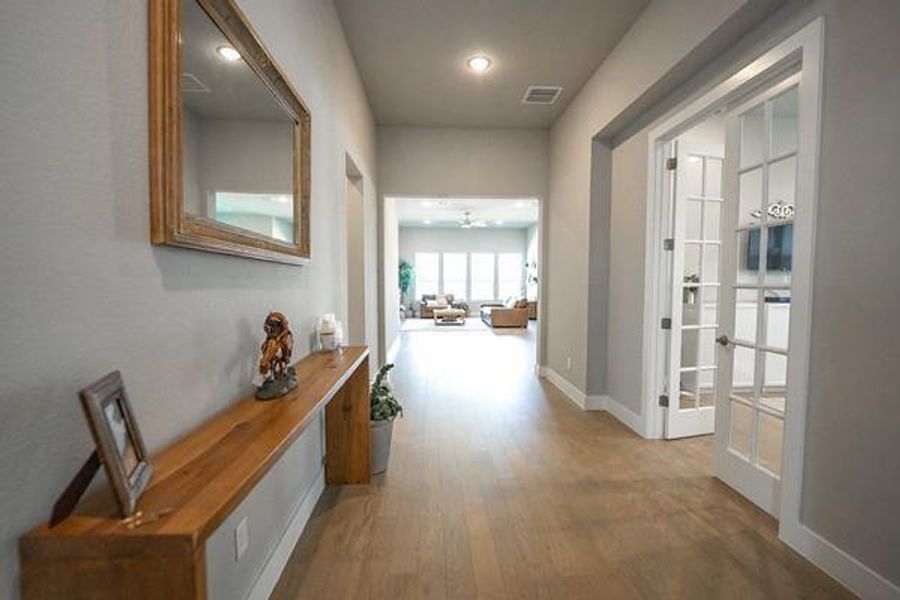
x=68, y=500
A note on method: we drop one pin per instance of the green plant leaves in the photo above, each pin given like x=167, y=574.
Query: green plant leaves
x=384, y=406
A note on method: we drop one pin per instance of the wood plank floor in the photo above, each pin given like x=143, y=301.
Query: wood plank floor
x=499, y=487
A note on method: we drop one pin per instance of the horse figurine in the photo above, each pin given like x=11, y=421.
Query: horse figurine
x=275, y=359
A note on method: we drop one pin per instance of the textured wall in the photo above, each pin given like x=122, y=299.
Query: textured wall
x=83, y=291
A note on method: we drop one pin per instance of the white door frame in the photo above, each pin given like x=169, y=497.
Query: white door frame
x=804, y=51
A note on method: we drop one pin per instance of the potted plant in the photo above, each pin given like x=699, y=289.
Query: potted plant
x=404, y=279
x=384, y=409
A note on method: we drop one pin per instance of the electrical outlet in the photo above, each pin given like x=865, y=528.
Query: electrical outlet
x=241, y=539
x=568, y=363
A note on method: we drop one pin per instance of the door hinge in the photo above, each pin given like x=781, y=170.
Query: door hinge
x=669, y=244
x=663, y=400
x=671, y=164
x=666, y=323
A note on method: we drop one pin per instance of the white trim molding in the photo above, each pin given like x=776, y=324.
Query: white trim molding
x=593, y=402
x=628, y=417
x=270, y=574
x=856, y=576
x=569, y=389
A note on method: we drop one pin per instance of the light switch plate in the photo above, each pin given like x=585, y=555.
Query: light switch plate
x=241, y=539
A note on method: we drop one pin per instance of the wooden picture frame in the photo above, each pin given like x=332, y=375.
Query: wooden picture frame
x=117, y=437
x=169, y=223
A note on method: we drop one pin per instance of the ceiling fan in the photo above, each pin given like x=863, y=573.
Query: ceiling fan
x=466, y=221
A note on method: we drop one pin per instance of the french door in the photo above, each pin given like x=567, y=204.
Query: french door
x=695, y=245
x=757, y=254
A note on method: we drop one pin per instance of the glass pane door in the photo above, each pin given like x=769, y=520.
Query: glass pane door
x=696, y=246
x=759, y=251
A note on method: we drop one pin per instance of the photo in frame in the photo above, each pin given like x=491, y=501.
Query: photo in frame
x=120, y=446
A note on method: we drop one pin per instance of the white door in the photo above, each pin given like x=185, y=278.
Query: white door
x=695, y=244
x=754, y=348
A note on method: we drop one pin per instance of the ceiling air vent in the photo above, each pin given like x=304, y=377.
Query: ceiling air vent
x=541, y=94
x=190, y=84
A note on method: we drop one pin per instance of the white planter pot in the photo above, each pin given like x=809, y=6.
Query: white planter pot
x=380, y=444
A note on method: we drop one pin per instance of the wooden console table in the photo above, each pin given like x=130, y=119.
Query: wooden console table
x=201, y=479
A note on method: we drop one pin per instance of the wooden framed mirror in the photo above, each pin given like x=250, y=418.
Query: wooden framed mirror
x=229, y=137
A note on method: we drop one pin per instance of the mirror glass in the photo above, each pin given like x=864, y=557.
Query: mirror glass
x=237, y=140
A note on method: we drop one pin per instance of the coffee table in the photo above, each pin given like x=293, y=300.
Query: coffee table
x=449, y=316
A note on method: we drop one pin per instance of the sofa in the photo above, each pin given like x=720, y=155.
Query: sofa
x=512, y=313
x=430, y=302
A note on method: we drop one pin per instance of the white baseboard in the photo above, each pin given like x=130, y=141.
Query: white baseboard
x=628, y=417
x=856, y=576
x=566, y=387
x=393, y=350
x=268, y=578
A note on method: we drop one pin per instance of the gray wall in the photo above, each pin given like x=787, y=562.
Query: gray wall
x=427, y=161
x=851, y=492
x=628, y=214
x=849, y=496
x=666, y=33
x=84, y=292
x=598, y=268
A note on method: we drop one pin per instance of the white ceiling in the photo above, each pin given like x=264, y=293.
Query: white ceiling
x=444, y=212
x=411, y=55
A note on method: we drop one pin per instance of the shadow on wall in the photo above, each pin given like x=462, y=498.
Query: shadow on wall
x=183, y=269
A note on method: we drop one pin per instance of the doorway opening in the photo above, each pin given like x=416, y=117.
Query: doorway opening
x=730, y=252
x=355, y=249
x=733, y=180
x=464, y=265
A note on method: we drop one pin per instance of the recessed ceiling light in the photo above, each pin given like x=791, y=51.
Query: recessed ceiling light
x=521, y=204
x=426, y=222
x=478, y=63
x=498, y=222
x=426, y=202
x=228, y=53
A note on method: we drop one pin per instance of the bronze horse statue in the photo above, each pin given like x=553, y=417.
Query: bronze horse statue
x=275, y=358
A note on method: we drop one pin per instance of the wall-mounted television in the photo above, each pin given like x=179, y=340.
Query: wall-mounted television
x=779, y=251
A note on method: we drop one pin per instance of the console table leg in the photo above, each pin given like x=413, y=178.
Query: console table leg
x=347, y=431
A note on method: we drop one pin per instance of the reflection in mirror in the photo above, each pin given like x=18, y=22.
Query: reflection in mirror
x=237, y=139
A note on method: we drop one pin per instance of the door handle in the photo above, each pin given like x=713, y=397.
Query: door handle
x=723, y=340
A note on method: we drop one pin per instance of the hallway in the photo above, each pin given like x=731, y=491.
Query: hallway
x=499, y=487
